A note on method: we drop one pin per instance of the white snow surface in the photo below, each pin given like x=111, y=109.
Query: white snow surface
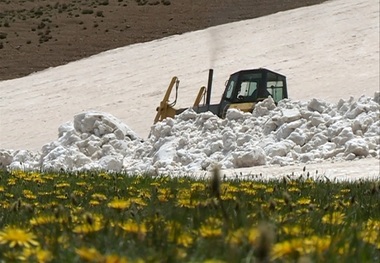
x=329, y=53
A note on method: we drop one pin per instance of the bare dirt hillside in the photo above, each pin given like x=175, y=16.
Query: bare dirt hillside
x=38, y=34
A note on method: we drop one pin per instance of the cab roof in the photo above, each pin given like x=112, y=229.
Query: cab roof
x=258, y=70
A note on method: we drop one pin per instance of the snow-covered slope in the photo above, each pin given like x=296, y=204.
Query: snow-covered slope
x=328, y=51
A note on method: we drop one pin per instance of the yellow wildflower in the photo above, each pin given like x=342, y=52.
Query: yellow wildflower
x=335, y=218
x=87, y=228
x=62, y=197
x=198, y=187
x=138, y=201
x=134, y=227
x=11, y=181
x=209, y=231
x=184, y=239
x=253, y=234
x=371, y=231
x=62, y=185
x=304, y=201
x=259, y=186
x=287, y=248
x=94, y=203
x=81, y=183
x=236, y=237
x=43, y=220
x=186, y=202
x=249, y=191
x=292, y=230
x=17, y=237
x=226, y=187
x=91, y=223
x=294, y=189
x=38, y=253
x=317, y=244
x=99, y=197
x=89, y=254
x=119, y=204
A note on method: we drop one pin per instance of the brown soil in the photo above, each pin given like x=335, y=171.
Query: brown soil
x=38, y=34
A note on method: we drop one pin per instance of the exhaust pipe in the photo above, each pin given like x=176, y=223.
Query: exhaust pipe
x=209, y=87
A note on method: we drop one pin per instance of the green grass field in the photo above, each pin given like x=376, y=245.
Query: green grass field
x=100, y=217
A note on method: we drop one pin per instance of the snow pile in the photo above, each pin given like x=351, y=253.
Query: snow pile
x=94, y=140
x=291, y=132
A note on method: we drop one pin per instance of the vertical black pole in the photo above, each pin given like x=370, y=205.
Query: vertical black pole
x=209, y=87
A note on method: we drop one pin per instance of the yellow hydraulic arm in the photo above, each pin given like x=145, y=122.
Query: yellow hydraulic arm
x=199, y=97
x=165, y=109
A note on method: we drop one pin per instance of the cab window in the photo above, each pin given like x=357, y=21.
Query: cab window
x=249, y=85
x=230, y=89
x=275, y=86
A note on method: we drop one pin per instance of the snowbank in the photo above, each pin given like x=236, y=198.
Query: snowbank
x=289, y=133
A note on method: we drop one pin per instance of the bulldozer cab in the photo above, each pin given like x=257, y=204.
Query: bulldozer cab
x=247, y=87
x=255, y=85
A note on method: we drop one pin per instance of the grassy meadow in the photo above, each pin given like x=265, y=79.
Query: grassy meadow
x=105, y=217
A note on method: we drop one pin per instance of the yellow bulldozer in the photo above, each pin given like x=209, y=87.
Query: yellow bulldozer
x=243, y=90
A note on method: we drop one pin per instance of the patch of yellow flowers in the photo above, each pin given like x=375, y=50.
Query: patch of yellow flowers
x=113, y=218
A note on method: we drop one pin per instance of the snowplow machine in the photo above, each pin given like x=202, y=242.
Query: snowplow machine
x=243, y=90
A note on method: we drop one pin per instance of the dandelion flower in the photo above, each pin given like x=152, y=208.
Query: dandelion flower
x=287, y=248
x=184, y=202
x=185, y=240
x=99, y=197
x=370, y=233
x=43, y=220
x=316, y=243
x=133, y=227
x=209, y=231
x=40, y=254
x=119, y=204
x=89, y=254
x=198, y=187
x=292, y=230
x=371, y=236
x=138, y=201
x=94, y=203
x=236, y=237
x=91, y=223
x=29, y=194
x=294, y=189
x=253, y=234
x=62, y=185
x=335, y=218
x=17, y=237
x=87, y=228
x=303, y=201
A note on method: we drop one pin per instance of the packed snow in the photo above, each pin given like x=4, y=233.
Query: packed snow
x=332, y=116
x=291, y=132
